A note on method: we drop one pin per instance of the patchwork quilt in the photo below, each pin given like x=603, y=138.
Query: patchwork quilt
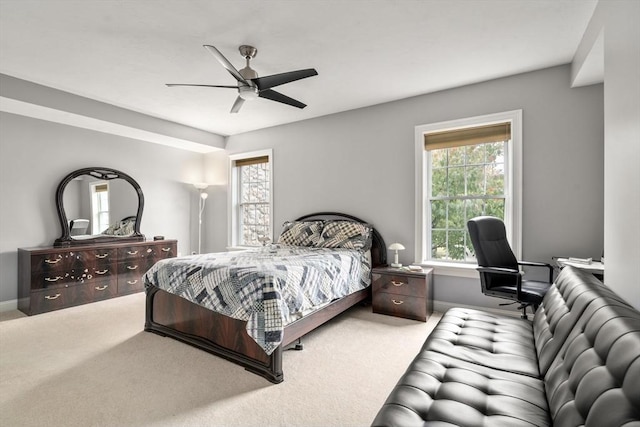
x=264, y=286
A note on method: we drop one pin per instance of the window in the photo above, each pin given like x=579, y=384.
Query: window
x=99, y=207
x=466, y=168
x=251, y=198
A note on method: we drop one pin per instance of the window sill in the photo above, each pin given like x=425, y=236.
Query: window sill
x=452, y=269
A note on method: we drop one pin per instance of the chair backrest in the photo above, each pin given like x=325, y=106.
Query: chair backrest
x=78, y=226
x=489, y=238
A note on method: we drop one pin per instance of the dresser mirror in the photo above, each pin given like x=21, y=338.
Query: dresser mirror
x=97, y=205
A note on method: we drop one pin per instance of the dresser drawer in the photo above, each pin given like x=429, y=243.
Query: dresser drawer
x=165, y=250
x=409, y=307
x=129, y=283
x=72, y=260
x=400, y=285
x=53, y=299
x=58, y=278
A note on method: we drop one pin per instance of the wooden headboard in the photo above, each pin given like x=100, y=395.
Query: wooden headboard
x=378, y=247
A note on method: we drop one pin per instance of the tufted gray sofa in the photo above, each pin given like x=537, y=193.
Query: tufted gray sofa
x=576, y=364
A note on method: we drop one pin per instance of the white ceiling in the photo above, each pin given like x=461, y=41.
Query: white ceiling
x=366, y=52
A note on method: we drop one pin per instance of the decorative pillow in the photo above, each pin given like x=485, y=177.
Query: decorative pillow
x=301, y=233
x=124, y=227
x=346, y=234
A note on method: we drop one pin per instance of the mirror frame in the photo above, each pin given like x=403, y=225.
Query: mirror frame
x=106, y=174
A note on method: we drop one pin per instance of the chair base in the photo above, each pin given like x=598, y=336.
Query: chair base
x=523, y=306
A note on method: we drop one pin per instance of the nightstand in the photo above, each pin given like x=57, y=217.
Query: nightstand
x=403, y=293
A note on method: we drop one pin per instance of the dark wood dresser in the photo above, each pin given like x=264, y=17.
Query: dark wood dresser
x=51, y=278
x=403, y=293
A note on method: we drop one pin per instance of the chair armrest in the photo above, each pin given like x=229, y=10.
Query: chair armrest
x=499, y=270
x=539, y=264
x=516, y=274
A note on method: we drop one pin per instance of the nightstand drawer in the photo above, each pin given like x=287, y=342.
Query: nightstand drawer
x=406, y=306
x=400, y=285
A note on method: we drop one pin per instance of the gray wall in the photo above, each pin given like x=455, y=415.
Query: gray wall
x=362, y=162
x=36, y=155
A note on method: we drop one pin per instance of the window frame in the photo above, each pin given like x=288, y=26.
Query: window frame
x=95, y=212
x=234, y=195
x=513, y=178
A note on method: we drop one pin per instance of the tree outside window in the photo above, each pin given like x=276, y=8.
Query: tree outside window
x=466, y=182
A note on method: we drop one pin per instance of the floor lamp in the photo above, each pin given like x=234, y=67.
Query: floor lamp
x=201, y=202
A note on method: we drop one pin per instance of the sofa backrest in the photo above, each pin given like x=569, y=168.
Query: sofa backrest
x=561, y=308
x=595, y=378
x=588, y=344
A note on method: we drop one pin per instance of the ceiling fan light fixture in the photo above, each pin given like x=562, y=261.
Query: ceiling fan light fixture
x=248, y=93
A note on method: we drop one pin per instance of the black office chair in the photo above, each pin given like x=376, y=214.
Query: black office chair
x=500, y=274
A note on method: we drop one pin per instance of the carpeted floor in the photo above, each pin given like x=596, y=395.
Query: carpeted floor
x=94, y=365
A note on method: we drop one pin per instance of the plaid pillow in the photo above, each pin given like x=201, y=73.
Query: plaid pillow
x=346, y=234
x=300, y=233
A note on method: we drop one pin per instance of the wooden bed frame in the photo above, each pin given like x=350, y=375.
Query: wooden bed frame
x=176, y=317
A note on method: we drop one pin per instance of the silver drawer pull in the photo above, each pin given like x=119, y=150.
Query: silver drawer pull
x=397, y=302
x=105, y=271
x=132, y=267
x=166, y=249
x=101, y=288
x=51, y=261
x=52, y=297
x=102, y=256
x=395, y=283
x=132, y=253
x=132, y=282
x=54, y=279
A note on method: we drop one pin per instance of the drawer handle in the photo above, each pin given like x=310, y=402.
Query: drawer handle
x=101, y=288
x=132, y=253
x=102, y=271
x=132, y=267
x=102, y=256
x=397, y=302
x=166, y=249
x=396, y=283
x=132, y=282
x=52, y=297
x=55, y=279
x=49, y=261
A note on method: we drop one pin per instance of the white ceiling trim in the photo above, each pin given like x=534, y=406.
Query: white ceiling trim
x=27, y=109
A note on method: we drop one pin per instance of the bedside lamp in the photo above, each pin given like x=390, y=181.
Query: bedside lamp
x=396, y=247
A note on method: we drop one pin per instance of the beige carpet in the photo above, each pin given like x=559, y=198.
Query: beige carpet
x=94, y=365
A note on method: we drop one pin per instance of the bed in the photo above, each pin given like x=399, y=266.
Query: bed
x=176, y=310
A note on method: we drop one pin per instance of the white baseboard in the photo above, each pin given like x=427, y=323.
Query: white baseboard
x=8, y=305
x=442, y=306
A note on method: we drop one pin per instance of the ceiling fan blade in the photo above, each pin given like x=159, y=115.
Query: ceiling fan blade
x=267, y=82
x=278, y=97
x=226, y=64
x=237, y=105
x=186, y=84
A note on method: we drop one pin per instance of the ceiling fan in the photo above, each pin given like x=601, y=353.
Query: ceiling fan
x=250, y=86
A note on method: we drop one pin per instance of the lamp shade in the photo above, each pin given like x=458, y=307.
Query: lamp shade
x=200, y=185
x=396, y=247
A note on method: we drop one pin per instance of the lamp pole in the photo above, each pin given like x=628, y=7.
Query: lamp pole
x=203, y=200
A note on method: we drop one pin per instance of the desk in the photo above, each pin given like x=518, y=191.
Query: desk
x=596, y=267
